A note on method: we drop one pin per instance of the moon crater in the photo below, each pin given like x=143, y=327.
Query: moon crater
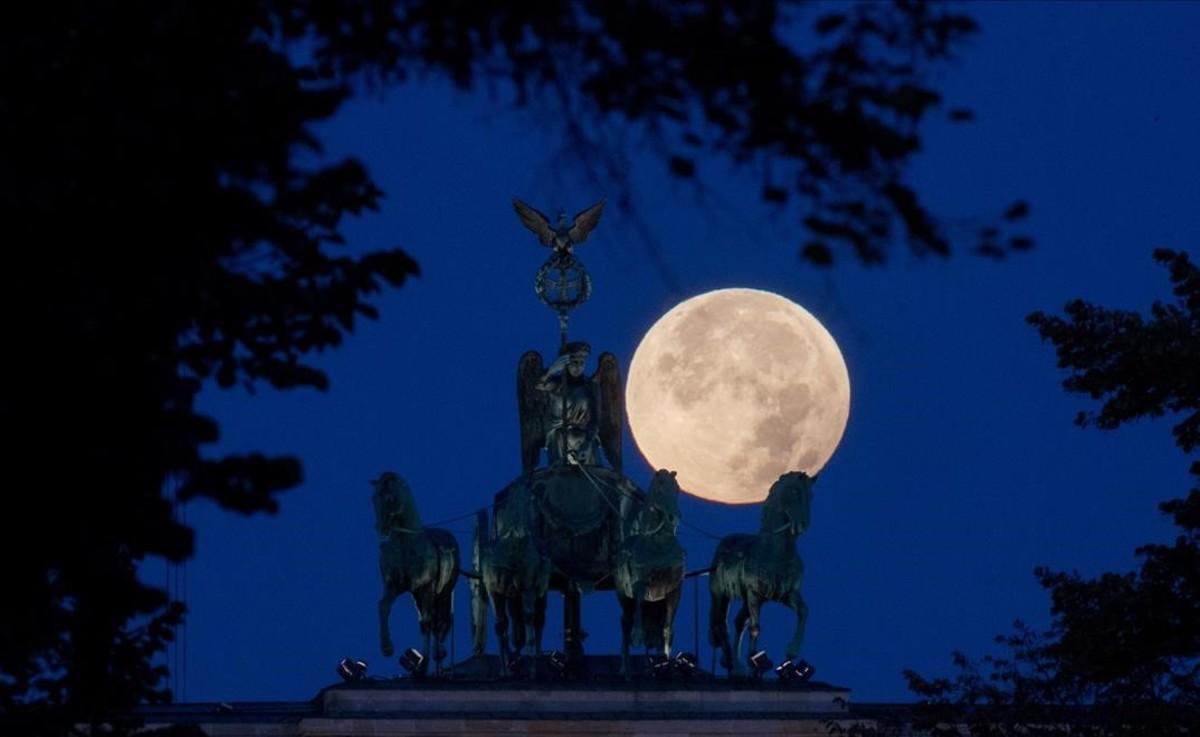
x=733, y=388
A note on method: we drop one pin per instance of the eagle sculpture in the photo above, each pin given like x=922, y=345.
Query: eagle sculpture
x=566, y=235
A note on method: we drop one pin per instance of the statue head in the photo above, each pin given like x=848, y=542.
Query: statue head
x=788, y=504
x=578, y=351
x=394, y=504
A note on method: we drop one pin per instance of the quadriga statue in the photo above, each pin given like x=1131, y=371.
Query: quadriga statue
x=649, y=570
x=413, y=559
x=761, y=568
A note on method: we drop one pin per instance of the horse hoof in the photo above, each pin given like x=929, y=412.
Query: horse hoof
x=388, y=651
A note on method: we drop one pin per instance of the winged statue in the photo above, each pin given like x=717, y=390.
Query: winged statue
x=571, y=415
x=564, y=236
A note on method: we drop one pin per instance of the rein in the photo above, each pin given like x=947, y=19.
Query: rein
x=781, y=528
x=405, y=530
x=662, y=522
x=596, y=486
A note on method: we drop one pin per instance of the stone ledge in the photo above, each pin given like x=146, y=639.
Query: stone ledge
x=326, y=727
x=411, y=698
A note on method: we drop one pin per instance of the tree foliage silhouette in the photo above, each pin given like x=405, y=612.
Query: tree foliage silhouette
x=1122, y=655
x=170, y=221
x=830, y=126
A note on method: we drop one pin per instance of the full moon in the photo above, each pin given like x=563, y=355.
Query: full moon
x=735, y=387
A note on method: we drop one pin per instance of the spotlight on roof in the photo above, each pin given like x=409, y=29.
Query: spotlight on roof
x=760, y=662
x=686, y=663
x=796, y=671
x=557, y=660
x=658, y=665
x=413, y=661
x=518, y=664
x=352, y=670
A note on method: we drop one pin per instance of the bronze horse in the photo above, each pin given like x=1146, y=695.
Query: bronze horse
x=416, y=560
x=514, y=572
x=649, y=570
x=760, y=568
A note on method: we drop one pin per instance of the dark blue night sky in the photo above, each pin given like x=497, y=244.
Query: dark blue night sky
x=960, y=470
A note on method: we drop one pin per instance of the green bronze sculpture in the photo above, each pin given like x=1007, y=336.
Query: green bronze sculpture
x=573, y=523
x=569, y=414
x=413, y=559
x=649, y=570
x=515, y=573
x=761, y=568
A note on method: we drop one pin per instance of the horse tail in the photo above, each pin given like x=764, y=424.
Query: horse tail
x=479, y=602
x=481, y=522
x=721, y=594
x=718, y=620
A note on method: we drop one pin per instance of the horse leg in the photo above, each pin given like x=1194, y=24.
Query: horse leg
x=671, y=605
x=626, y=625
x=539, y=623
x=638, y=636
x=426, y=602
x=718, y=627
x=390, y=593
x=529, y=615
x=739, y=628
x=479, y=605
x=516, y=613
x=445, y=623
x=754, y=608
x=797, y=604
x=500, y=609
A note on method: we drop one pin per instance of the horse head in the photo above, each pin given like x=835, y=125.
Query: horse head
x=394, y=504
x=660, y=509
x=788, y=504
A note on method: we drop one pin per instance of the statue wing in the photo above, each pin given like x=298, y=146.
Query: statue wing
x=531, y=405
x=585, y=221
x=538, y=223
x=612, y=407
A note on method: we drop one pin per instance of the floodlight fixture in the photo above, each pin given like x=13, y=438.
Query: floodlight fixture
x=797, y=671
x=658, y=664
x=413, y=661
x=761, y=662
x=557, y=660
x=686, y=663
x=351, y=669
x=517, y=663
